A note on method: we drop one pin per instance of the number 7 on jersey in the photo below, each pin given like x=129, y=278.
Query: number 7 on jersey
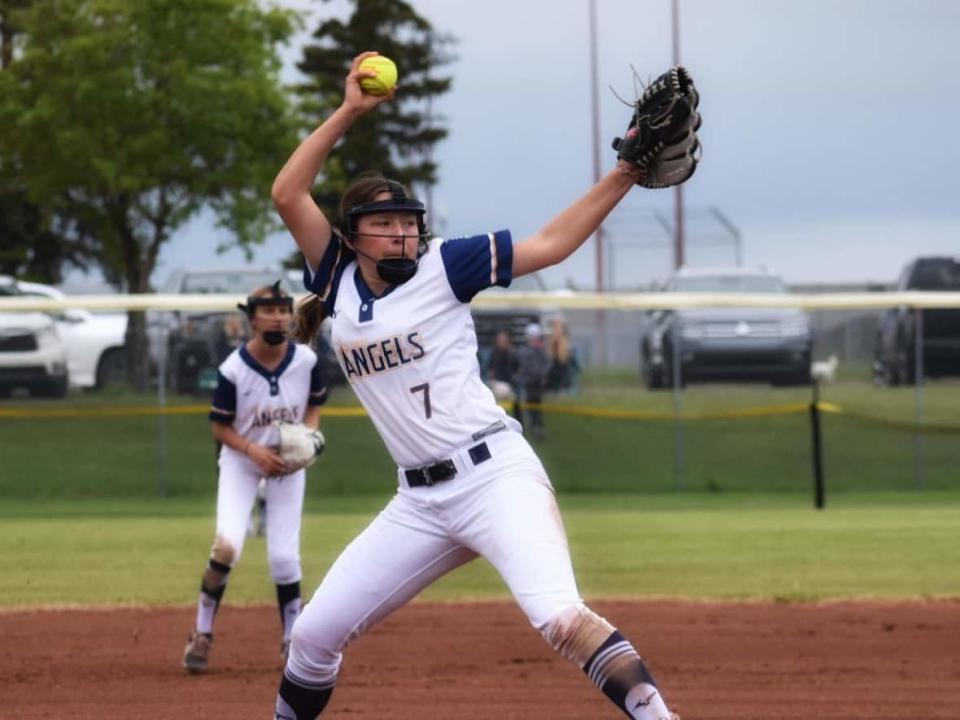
x=425, y=389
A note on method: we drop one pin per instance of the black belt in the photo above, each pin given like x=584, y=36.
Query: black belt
x=445, y=469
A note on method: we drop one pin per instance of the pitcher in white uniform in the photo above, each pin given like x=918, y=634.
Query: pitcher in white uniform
x=469, y=484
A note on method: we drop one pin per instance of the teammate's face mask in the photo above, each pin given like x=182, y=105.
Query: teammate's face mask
x=274, y=337
x=276, y=299
x=394, y=270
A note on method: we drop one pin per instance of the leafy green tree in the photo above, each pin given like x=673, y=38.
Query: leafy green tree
x=30, y=246
x=129, y=116
x=8, y=28
x=398, y=137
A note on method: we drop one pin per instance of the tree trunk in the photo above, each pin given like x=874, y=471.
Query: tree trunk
x=138, y=356
x=137, y=274
x=138, y=360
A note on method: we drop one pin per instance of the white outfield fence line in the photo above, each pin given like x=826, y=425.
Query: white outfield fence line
x=553, y=300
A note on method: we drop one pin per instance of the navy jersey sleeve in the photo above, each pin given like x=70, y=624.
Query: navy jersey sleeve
x=476, y=263
x=318, y=386
x=325, y=280
x=224, y=407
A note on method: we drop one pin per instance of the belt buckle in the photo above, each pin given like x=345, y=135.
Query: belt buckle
x=440, y=472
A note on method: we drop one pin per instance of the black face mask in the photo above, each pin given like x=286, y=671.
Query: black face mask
x=396, y=270
x=274, y=337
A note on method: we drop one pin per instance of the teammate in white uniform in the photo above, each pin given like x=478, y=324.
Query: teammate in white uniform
x=267, y=379
x=469, y=483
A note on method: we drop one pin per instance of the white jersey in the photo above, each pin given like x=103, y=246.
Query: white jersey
x=249, y=397
x=411, y=354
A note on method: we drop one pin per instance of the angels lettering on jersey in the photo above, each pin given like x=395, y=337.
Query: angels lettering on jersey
x=285, y=414
x=250, y=397
x=380, y=355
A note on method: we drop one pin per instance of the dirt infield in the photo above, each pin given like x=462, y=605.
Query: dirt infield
x=749, y=661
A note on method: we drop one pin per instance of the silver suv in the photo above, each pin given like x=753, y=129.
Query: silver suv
x=764, y=344
x=32, y=354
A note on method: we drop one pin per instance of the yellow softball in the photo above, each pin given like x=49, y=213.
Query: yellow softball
x=386, y=77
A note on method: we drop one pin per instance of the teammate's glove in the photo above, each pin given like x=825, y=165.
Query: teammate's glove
x=661, y=138
x=300, y=446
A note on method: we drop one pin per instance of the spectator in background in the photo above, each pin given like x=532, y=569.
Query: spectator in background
x=532, y=367
x=501, y=367
x=564, y=367
x=227, y=336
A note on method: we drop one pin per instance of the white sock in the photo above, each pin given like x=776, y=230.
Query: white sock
x=206, y=609
x=644, y=702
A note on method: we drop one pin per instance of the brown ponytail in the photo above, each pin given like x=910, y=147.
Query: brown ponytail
x=307, y=319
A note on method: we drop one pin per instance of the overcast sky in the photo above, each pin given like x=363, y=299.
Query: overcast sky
x=829, y=131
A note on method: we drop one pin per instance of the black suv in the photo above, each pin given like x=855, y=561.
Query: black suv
x=896, y=347
x=757, y=344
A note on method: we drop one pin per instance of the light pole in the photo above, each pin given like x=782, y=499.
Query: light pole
x=601, y=317
x=678, y=240
x=595, y=105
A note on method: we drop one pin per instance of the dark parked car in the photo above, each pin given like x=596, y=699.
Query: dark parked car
x=896, y=348
x=770, y=345
x=197, y=342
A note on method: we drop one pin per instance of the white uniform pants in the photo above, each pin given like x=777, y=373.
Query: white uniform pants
x=502, y=509
x=236, y=493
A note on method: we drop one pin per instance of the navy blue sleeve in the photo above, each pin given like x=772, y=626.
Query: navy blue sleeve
x=224, y=407
x=325, y=280
x=318, y=386
x=476, y=263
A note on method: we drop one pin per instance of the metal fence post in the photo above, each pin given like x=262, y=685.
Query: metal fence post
x=161, y=415
x=819, y=495
x=918, y=459
x=677, y=373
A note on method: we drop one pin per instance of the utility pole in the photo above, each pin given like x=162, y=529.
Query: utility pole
x=600, y=262
x=595, y=105
x=678, y=239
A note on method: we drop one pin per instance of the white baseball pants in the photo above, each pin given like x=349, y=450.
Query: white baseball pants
x=237, y=491
x=502, y=509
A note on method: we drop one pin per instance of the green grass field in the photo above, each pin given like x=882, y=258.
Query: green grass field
x=883, y=545
x=120, y=509
x=147, y=456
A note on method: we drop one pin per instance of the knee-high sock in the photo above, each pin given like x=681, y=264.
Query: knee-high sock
x=210, y=597
x=288, y=601
x=619, y=671
x=300, y=702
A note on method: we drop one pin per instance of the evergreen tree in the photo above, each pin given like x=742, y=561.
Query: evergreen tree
x=397, y=139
